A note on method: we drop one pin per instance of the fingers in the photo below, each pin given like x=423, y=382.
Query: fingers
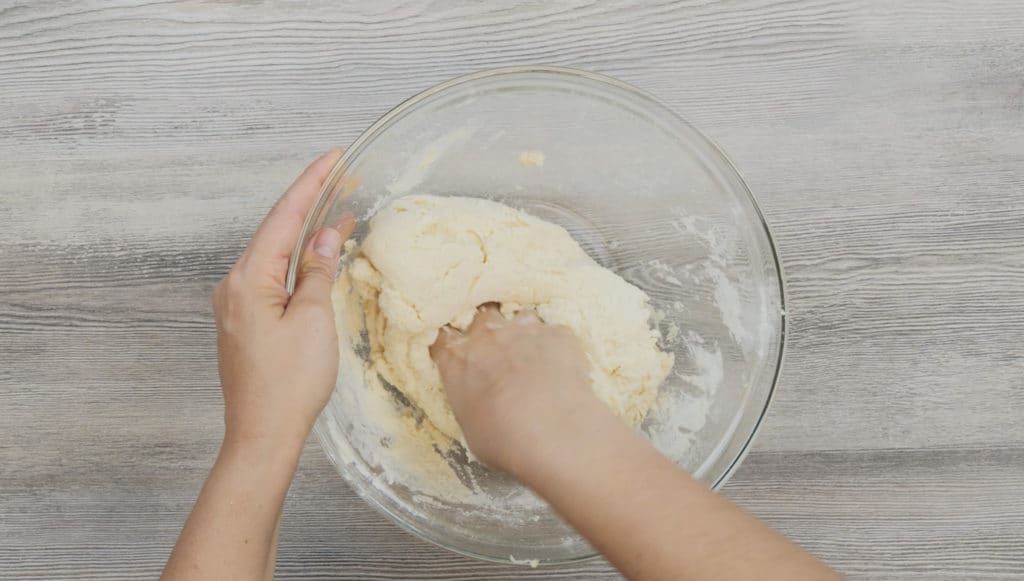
x=316, y=269
x=346, y=225
x=275, y=238
x=526, y=317
x=488, y=316
x=447, y=339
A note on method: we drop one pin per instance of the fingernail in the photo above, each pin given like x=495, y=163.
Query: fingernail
x=327, y=242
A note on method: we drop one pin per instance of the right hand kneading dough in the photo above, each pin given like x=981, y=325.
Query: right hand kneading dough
x=429, y=261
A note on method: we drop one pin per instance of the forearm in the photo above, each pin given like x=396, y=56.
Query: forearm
x=652, y=520
x=232, y=530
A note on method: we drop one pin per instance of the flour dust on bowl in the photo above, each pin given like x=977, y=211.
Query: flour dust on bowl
x=646, y=196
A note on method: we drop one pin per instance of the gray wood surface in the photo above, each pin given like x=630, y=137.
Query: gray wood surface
x=141, y=142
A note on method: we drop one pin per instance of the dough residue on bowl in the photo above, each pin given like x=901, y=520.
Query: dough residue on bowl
x=430, y=261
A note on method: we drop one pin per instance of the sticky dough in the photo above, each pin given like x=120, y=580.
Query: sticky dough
x=430, y=261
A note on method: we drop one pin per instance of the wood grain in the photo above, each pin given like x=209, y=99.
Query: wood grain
x=140, y=143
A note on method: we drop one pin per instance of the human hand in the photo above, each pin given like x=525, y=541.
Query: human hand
x=512, y=384
x=278, y=355
x=521, y=392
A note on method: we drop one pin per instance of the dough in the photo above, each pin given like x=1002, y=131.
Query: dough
x=429, y=261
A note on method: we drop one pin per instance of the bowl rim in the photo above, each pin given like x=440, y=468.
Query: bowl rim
x=372, y=131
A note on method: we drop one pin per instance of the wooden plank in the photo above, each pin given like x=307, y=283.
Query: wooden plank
x=140, y=143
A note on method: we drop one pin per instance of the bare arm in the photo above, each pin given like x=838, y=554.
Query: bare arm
x=651, y=519
x=278, y=360
x=231, y=532
x=520, y=391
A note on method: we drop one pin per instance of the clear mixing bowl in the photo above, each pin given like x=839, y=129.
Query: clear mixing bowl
x=646, y=195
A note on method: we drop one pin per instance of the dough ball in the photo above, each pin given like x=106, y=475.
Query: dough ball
x=429, y=261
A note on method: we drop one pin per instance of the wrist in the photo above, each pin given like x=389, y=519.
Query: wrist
x=263, y=446
x=594, y=451
x=258, y=428
x=545, y=448
x=252, y=476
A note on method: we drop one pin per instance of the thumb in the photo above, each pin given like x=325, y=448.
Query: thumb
x=447, y=338
x=446, y=350
x=317, y=267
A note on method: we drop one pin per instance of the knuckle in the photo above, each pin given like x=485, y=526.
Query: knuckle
x=310, y=310
x=228, y=299
x=317, y=310
x=318, y=269
x=221, y=292
x=233, y=284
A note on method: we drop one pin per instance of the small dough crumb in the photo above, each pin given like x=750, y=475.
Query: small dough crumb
x=533, y=563
x=531, y=158
x=429, y=261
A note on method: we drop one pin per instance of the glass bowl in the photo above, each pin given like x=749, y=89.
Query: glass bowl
x=646, y=195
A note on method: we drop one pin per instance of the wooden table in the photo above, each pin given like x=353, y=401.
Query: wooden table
x=140, y=144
